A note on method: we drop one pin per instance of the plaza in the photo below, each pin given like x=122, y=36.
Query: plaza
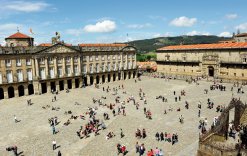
x=33, y=134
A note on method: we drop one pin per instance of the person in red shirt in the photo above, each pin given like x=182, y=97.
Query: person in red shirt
x=150, y=153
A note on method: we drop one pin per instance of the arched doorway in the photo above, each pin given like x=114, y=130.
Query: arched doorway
x=97, y=79
x=30, y=89
x=77, y=83
x=21, y=90
x=69, y=83
x=119, y=76
x=109, y=77
x=61, y=85
x=129, y=75
x=91, y=80
x=114, y=77
x=11, y=92
x=43, y=88
x=1, y=93
x=103, y=78
x=210, y=71
x=124, y=75
x=85, y=81
x=53, y=86
x=134, y=74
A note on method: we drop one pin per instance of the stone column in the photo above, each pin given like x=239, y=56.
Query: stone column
x=73, y=83
x=46, y=68
x=79, y=65
x=5, y=92
x=72, y=65
x=16, y=91
x=37, y=67
x=55, y=67
x=65, y=84
x=64, y=67
x=26, y=91
x=34, y=69
x=57, y=85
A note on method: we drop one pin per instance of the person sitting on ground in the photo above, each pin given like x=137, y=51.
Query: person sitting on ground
x=110, y=135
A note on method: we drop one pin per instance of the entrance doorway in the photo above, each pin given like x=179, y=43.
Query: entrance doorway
x=30, y=89
x=69, y=83
x=97, y=79
x=21, y=90
x=91, y=80
x=134, y=74
x=125, y=75
x=210, y=71
x=109, y=77
x=119, y=76
x=61, y=85
x=77, y=83
x=11, y=92
x=85, y=80
x=53, y=86
x=1, y=93
x=129, y=75
x=114, y=77
x=43, y=88
x=103, y=78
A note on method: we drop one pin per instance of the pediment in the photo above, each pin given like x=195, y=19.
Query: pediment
x=59, y=49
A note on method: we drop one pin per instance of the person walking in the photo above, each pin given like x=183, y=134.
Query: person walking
x=59, y=153
x=15, y=119
x=54, y=144
x=53, y=130
x=137, y=147
x=161, y=153
x=121, y=133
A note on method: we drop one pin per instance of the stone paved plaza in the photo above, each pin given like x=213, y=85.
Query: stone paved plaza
x=33, y=134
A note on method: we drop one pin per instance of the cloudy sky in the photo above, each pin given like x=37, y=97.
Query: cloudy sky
x=91, y=21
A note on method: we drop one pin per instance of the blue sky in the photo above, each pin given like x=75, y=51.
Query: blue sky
x=105, y=21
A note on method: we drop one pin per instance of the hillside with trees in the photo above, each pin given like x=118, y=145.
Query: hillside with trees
x=150, y=45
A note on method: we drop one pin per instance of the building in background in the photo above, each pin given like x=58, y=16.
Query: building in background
x=227, y=61
x=26, y=69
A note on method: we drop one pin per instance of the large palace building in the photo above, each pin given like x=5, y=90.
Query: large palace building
x=225, y=60
x=26, y=69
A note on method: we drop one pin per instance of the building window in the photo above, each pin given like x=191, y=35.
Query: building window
x=96, y=57
x=68, y=70
x=28, y=62
x=60, y=71
x=68, y=59
x=42, y=61
x=84, y=69
x=91, y=68
x=235, y=74
x=129, y=65
x=59, y=60
x=8, y=63
x=9, y=76
x=103, y=67
x=90, y=58
x=119, y=65
x=84, y=58
x=119, y=57
x=42, y=73
x=108, y=57
x=244, y=60
x=97, y=67
x=75, y=59
x=242, y=74
x=18, y=62
x=29, y=75
x=50, y=60
x=19, y=75
x=103, y=58
x=113, y=57
x=109, y=66
x=51, y=72
x=76, y=71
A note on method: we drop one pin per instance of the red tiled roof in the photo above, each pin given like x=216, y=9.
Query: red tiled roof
x=241, y=35
x=49, y=44
x=18, y=35
x=103, y=45
x=206, y=46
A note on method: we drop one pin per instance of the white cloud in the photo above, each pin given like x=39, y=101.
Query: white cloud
x=139, y=26
x=22, y=6
x=167, y=34
x=231, y=16
x=225, y=34
x=183, y=21
x=242, y=27
x=9, y=27
x=105, y=26
x=194, y=32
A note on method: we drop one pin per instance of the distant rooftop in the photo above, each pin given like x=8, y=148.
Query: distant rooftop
x=241, y=35
x=103, y=45
x=18, y=35
x=206, y=46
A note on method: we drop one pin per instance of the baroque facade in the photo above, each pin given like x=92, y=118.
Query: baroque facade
x=226, y=61
x=26, y=69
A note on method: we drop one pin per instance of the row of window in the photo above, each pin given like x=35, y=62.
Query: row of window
x=8, y=62
x=108, y=67
x=109, y=57
x=18, y=74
